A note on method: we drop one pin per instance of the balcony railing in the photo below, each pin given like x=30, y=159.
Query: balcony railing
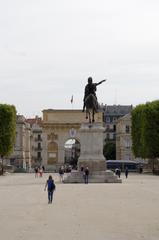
x=38, y=148
x=38, y=139
x=37, y=159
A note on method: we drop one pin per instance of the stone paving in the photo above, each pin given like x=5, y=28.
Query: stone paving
x=127, y=211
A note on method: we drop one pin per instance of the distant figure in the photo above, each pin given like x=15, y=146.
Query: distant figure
x=118, y=172
x=40, y=172
x=126, y=172
x=43, y=168
x=82, y=168
x=86, y=175
x=90, y=88
x=61, y=173
x=36, y=171
x=141, y=169
x=69, y=169
x=50, y=185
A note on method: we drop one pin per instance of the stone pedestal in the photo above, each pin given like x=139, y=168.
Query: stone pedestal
x=91, y=139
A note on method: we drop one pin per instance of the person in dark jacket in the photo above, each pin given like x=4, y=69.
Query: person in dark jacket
x=86, y=175
x=126, y=172
x=50, y=185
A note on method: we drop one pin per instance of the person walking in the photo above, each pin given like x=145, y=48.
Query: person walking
x=86, y=175
x=40, y=172
x=140, y=169
x=126, y=172
x=61, y=173
x=119, y=172
x=36, y=171
x=82, y=168
x=50, y=185
x=43, y=168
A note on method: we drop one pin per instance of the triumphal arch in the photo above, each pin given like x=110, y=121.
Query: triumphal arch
x=58, y=127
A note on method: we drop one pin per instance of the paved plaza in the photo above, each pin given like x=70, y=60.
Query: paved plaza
x=127, y=211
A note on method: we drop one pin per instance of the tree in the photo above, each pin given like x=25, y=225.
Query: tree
x=145, y=131
x=7, y=130
x=109, y=151
x=137, y=130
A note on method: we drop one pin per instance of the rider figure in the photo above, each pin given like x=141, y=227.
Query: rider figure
x=90, y=88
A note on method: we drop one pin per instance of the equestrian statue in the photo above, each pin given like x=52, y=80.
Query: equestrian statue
x=90, y=102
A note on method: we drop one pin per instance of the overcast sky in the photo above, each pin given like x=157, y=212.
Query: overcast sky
x=48, y=49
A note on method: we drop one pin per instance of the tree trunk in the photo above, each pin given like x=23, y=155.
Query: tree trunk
x=153, y=165
x=2, y=165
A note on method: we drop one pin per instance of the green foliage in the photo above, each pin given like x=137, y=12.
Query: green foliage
x=137, y=130
x=7, y=129
x=145, y=130
x=151, y=130
x=109, y=151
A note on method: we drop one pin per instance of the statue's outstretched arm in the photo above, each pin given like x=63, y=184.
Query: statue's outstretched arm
x=101, y=81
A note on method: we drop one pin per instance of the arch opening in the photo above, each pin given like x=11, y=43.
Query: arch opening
x=72, y=152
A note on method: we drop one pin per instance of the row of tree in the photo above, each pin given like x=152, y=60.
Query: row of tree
x=145, y=131
x=7, y=130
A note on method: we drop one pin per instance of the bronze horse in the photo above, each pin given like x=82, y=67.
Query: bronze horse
x=91, y=107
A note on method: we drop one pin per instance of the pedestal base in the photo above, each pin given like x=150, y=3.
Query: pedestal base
x=95, y=177
x=91, y=138
x=93, y=165
x=91, y=156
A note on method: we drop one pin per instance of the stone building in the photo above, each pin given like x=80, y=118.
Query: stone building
x=36, y=141
x=123, y=138
x=46, y=141
x=59, y=126
x=21, y=158
x=111, y=114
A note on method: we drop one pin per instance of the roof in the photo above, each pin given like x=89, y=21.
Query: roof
x=117, y=109
x=120, y=161
x=32, y=121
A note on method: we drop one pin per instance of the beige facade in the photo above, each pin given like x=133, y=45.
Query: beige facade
x=111, y=115
x=36, y=141
x=20, y=157
x=59, y=126
x=123, y=138
x=42, y=141
x=36, y=144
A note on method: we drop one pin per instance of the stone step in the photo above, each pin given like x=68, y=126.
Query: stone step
x=96, y=177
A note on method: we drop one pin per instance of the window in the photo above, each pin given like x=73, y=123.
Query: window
x=39, y=137
x=127, y=143
x=127, y=129
x=107, y=119
x=39, y=146
x=107, y=127
x=114, y=119
x=39, y=154
x=114, y=136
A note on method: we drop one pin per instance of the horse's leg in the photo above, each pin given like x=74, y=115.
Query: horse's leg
x=89, y=117
x=93, y=115
x=86, y=114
